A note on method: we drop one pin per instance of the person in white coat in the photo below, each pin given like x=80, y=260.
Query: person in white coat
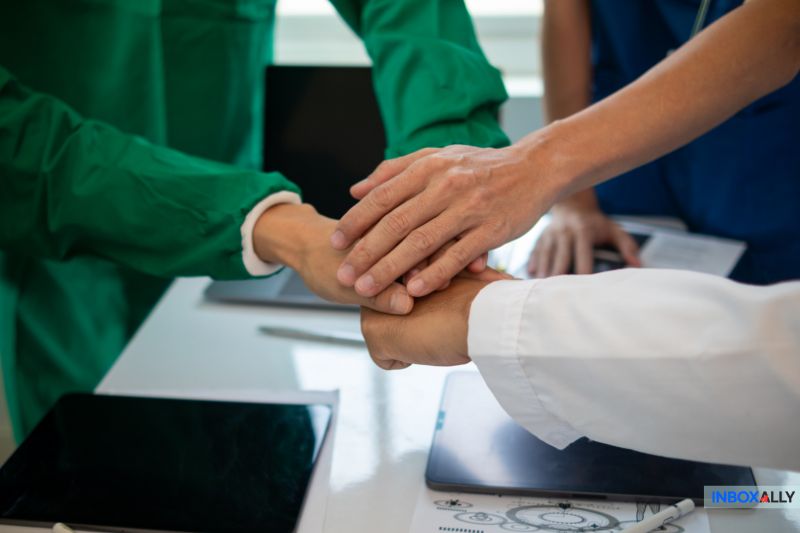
x=667, y=362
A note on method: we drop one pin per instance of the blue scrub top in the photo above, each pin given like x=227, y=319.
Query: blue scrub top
x=740, y=180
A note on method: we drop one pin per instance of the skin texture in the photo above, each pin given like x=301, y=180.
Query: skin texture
x=411, y=206
x=296, y=236
x=435, y=333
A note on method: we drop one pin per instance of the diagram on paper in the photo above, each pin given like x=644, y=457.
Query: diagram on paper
x=443, y=512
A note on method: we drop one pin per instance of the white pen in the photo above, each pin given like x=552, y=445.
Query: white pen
x=670, y=514
x=335, y=337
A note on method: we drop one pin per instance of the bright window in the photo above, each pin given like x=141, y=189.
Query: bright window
x=310, y=32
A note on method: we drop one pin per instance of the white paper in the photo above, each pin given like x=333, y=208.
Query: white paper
x=699, y=253
x=438, y=512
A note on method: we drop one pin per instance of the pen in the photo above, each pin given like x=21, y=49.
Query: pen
x=671, y=513
x=334, y=337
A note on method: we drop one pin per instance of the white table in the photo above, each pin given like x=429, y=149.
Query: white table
x=386, y=419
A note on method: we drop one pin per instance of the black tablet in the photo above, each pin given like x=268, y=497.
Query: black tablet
x=477, y=447
x=148, y=464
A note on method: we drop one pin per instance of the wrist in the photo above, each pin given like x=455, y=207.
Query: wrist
x=582, y=202
x=561, y=167
x=281, y=233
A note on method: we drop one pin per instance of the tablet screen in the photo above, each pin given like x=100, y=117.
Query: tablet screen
x=477, y=447
x=118, y=462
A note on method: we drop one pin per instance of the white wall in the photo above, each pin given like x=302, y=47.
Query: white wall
x=310, y=32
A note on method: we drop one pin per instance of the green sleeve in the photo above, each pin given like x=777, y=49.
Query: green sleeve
x=434, y=85
x=71, y=186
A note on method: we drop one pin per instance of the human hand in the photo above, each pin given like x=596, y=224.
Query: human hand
x=435, y=333
x=577, y=226
x=297, y=236
x=414, y=205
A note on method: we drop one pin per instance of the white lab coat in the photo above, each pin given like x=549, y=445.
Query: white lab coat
x=667, y=362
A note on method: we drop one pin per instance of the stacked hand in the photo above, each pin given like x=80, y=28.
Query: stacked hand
x=297, y=236
x=437, y=211
x=435, y=333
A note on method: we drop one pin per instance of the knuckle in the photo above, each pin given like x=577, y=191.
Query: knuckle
x=420, y=240
x=476, y=200
x=361, y=255
x=381, y=197
x=452, y=180
x=438, y=273
x=385, y=270
x=459, y=255
x=385, y=166
x=397, y=223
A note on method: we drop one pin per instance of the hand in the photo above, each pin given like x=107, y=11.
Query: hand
x=435, y=333
x=412, y=206
x=297, y=236
x=577, y=226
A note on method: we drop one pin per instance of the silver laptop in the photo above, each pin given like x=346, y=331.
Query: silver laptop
x=322, y=130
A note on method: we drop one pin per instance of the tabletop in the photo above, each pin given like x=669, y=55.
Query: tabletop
x=386, y=419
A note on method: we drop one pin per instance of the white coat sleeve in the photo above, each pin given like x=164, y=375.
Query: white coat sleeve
x=666, y=362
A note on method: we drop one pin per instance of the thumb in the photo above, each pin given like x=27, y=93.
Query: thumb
x=393, y=300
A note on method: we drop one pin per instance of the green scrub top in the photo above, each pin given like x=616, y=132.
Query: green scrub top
x=129, y=148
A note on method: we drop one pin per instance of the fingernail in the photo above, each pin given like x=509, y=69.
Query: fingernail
x=346, y=274
x=365, y=285
x=416, y=287
x=400, y=303
x=480, y=263
x=338, y=240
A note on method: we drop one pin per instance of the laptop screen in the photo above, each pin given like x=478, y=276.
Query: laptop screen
x=323, y=131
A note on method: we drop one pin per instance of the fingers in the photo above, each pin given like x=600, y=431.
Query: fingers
x=394, y=300
x=562, y=256
x=372, y=208
x=386, y=171
x=543, y=255
x=584, y=253
x=414, y=271
x=376, y=247
x=445, y=268
x=533, y=260
x=423, y=242
x=627, y=247
x=479, y=265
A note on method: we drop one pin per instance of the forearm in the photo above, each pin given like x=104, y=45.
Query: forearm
x=747, y=54
x=432, y=80
x=73, y=186
x=566, y=62
x=567, y=69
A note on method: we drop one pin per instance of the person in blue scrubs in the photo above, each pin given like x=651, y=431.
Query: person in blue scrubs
x=687, y=108
x=740, y=180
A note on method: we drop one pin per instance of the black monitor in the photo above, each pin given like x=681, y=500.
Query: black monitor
x=322, y=130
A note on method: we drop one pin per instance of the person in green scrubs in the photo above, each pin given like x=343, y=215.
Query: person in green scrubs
x=129, y=154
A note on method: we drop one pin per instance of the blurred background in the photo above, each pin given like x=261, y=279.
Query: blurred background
x=309, y=32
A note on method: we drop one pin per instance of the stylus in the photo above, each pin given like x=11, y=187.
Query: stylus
x=335, y=337
x=670, y=514
x=61, y=527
